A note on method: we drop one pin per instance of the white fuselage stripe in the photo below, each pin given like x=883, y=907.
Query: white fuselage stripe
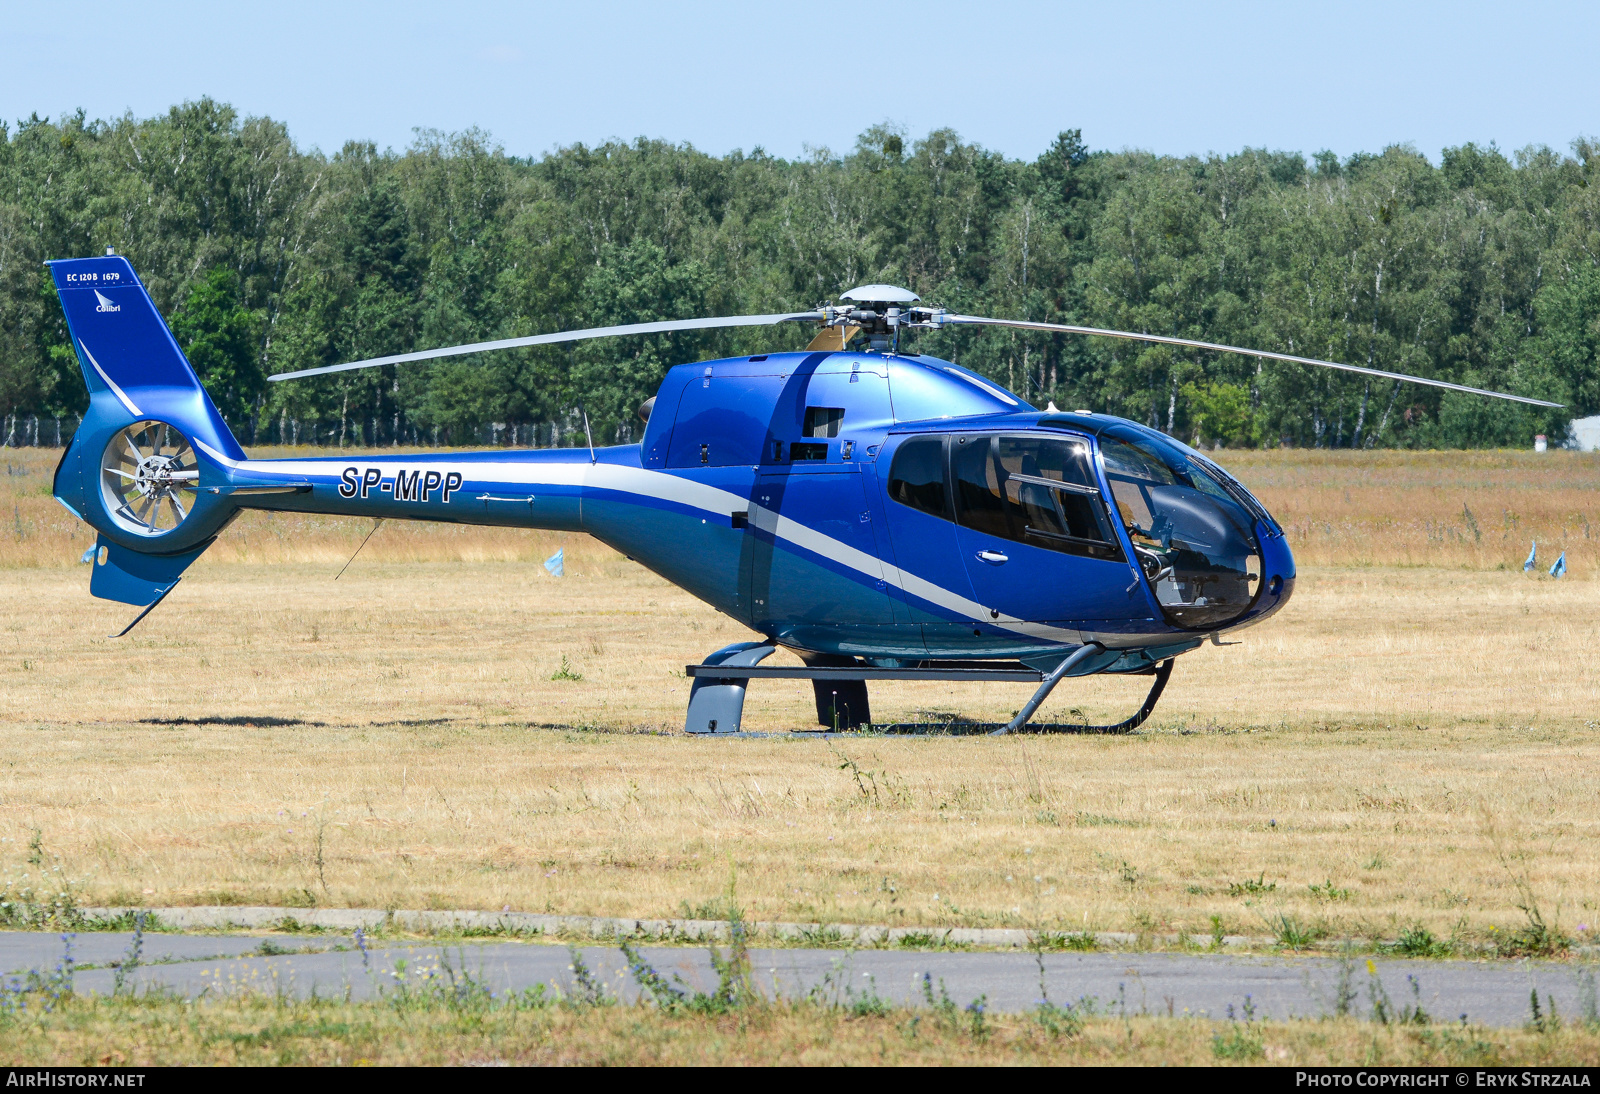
x=664, y=486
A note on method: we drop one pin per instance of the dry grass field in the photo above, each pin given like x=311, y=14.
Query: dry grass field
x=254, y=1030
x=1414, y=741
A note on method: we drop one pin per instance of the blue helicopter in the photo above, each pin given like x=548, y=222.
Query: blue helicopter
x=881, y=514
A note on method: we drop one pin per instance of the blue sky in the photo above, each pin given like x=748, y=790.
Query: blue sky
x=1170, y=77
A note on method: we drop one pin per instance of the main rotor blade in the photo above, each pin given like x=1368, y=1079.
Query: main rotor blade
x=978, y=320
x=562, y=336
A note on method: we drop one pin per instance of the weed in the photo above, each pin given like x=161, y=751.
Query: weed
x=868, y=1004
x=1291, y=934
x=1344, y=992
x=1536, y=938
x=1378, y=997
x=590, y=992
x=130, y=960
x=52, y=901
x=735, y=988
x=38, y=992
x=1460, y=1044
x=706, y=909
x=977, y=1022
x=971, y=1019
x=441, y=985
x=943, y=1007
x=1057, y=1020
x=669, y=997
x=1418, y=941
x=1095, y=820
x=834, y=988
x=836, y=991
x=1539, y=1021
x=1069, y=941
x=459, y=989
x=1413, y=1014
x=1054, y=1019
x=317, y=845
x=1241, y=1043
x=1384, y=1012
x=566, y=671
x=1252, y=886
x=1328, y=891
x=873, y=786
x=823, y=936
x=865, y=783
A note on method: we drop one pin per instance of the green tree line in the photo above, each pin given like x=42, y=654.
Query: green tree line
x=266, y=257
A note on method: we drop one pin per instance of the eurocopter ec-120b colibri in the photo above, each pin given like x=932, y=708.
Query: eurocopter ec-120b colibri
x=882, y=514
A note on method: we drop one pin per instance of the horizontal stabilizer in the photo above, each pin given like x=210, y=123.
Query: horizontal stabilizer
x=132, y=578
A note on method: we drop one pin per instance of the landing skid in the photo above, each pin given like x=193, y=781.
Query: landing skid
x=716, y=699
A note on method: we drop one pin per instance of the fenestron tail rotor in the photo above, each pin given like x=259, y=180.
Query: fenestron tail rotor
x=148, y=478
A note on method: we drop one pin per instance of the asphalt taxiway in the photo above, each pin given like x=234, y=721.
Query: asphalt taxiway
x=1489, y=993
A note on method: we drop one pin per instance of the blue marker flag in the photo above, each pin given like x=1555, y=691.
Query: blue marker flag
x=1533, y=553
x=556, y=563
x=1560, y=567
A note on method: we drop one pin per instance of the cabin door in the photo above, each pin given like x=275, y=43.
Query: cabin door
x=814, y=562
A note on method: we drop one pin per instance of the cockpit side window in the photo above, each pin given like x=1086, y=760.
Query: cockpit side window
x=1035, y=490
x=916, y=477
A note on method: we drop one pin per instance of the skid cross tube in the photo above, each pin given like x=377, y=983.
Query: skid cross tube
x=1047, y=685
x=1163, y=673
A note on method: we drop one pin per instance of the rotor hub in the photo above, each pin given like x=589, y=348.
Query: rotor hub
x=877, y=311
x=148, y=478
x=154, y=475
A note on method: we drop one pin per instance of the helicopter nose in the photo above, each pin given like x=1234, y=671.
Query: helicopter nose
x=1277, y=570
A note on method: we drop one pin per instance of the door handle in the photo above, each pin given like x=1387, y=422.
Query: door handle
x=993, y=558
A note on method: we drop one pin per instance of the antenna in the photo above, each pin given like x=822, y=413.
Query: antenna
x=376, y=524
x=587, y=434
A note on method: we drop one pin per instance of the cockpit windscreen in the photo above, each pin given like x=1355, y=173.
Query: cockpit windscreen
x=1193, y=538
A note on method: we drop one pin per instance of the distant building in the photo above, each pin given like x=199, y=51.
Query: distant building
x=1585, y=435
